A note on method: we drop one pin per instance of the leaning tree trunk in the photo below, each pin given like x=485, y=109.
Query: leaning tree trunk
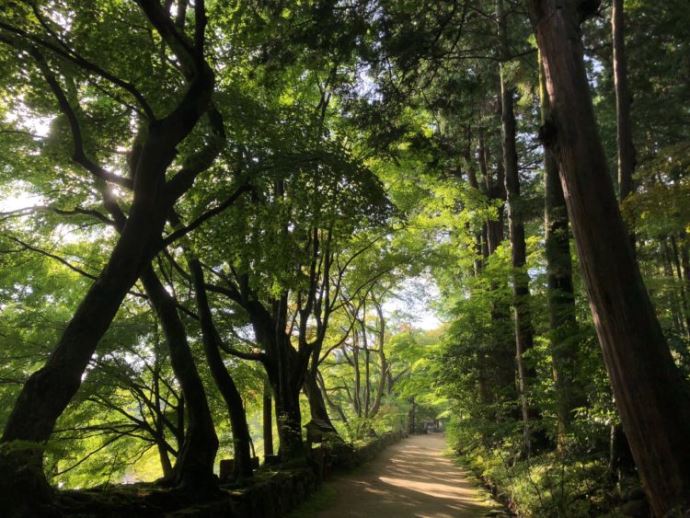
x=317, y=404
x=166, y=466
x=194, y=467
x=241, y=438
x=650, y=393
x=47, y=392
x=560, y=292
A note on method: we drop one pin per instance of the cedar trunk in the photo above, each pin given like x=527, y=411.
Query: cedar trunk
x=650, y=393
x=626, y=147
x=524, y=334
x=560, y=293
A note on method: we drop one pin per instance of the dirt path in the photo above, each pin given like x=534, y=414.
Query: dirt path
x=410, y=479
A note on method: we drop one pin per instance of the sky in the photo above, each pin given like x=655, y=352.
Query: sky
x=414, y=303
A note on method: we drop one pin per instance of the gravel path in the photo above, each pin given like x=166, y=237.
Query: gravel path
x=409, y=479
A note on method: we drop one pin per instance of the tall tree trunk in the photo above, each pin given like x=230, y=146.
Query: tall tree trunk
x=383, y=361
x=267, y=420
x=358, y=384
x=241, y=438
x=413, y=417
x=673, y=300
x=194, y=467
x=650, y=393
x=560, y=292
x=367, y=367
x=524, y=334
x=494, y=190
x=626, y=147
x=474, y=183
x=685, y=279
x=684, y=313
x=502, y=353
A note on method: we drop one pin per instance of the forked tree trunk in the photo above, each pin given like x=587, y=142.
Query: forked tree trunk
x=241, y=439
x=194, y=467
x=650, y=393
x=285, y=370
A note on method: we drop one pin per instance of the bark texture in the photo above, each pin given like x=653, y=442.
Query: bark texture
x=651, y=396
x=561, y=297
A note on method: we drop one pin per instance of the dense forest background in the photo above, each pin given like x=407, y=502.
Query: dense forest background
x=237, y=217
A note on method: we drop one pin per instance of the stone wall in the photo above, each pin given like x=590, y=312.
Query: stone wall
x=274, y=492
x=276, y=495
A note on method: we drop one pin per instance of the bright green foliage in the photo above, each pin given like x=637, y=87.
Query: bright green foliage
x=363, y=159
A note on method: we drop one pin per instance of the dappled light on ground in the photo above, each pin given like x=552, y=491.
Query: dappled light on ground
x=410, y=479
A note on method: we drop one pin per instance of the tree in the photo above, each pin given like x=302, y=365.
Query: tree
x=650, y=393
x=561, y=296
x=46, y=394
x=626, y=147
x=524, y=334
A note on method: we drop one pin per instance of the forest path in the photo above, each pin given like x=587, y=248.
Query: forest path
x=409, y=479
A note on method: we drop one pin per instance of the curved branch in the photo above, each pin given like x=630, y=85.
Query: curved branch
x=177, y=234
x=64, y=51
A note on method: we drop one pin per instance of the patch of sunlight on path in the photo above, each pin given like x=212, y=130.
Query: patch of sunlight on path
x=412, y=479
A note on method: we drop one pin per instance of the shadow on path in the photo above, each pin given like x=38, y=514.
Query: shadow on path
x=410, y=479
